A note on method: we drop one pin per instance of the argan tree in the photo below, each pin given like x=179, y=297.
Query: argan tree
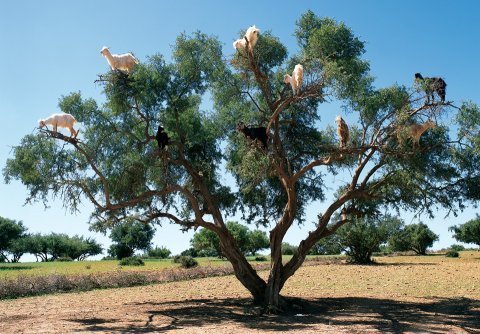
x=116, y=164
x=468, y=232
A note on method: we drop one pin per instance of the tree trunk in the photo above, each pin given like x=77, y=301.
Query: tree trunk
x=243, y=270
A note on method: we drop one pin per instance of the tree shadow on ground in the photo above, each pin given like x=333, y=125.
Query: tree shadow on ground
x=435, y=315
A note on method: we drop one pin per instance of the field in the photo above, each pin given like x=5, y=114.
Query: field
x=10, y=270
x=409, y=294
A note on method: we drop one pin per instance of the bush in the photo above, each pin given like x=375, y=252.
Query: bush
x=452, y=253
x=185, y=261
x=64, y=259
x=260, y=258
x=132, y=261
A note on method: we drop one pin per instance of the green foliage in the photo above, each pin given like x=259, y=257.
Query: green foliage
x=260, y=258
x=468, y=232
x=457, y=248
x=327, y=246
x=207, y=243
x=190, y=252
x=185, y=261
x=53, y=246
x=288, y=249
x=363, y=236
x=64, y=259
x=159, y=253
x=130, y=236
x=452, y=253
x=415, y=237
x=131, y=261
x=11, y=235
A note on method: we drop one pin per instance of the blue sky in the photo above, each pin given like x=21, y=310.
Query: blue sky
x=51, y=48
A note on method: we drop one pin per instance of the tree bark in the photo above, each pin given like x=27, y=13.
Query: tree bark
x=243, y=270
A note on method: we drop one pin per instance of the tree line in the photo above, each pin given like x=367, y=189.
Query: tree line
x=15, y=242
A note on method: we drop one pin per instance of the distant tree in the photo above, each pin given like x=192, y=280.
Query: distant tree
x=469, y=232
x=413, y=237
x=288, y=249
x=130, y=236
x=257, y=240
x=456, y=248
x=192, y=252
x=79, y=248
x=17, y=248
x=159, y=253
x=10, y=231
x=205, y=240
x=363, y=236
x=327, y=246
x=38, y=245
x=249, y=242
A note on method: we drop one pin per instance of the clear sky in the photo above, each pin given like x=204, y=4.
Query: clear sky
x=51, y=48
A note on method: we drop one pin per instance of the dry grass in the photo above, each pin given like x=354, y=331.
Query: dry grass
x=11, y=270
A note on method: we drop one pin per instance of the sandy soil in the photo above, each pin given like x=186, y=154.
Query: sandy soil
x=428, y=297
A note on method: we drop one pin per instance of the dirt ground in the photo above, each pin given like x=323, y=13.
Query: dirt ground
x=429, y=296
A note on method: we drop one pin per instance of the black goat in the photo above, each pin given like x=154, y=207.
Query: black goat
x=431, y=85
x=254, y=133
x=162, y=138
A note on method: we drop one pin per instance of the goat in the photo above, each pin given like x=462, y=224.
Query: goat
x=296, y=79
x=162, y=138
x=60, y=120
x=413, y=131
x=123, y=62
x=342, y=131
x=431, y=85
x=251, y=35
x=254, y=133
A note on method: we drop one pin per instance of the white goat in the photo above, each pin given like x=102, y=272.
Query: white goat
x=252, y=37
x=295, y=79
x=124, y=62
x=60, y=120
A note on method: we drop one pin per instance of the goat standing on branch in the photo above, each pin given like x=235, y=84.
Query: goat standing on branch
x=162, y=138
x=432, y=85
x=296, y=79
x=413, y=131
x=256, y=134
x=251, y=36
x=60, y=120
x=342, y=131
x=124, y=62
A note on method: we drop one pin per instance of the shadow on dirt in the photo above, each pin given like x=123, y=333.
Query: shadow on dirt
x=437, y=315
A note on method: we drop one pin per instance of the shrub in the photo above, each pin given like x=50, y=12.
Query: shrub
x=64, y=259
x=452, y=253
x=185, y=261
x=132, y=261
x=261, y=258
